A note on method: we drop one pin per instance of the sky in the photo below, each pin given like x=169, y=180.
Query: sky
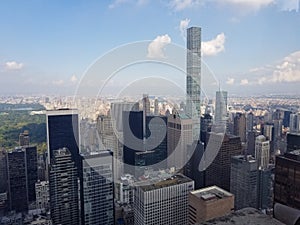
x=250, y=46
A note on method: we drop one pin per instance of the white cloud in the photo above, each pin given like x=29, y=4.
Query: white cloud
x=156, y=47
x=183, y=26
x=117, y=3
x=288, y=5
x=179, y=5
x=287, y=70
x=249, y=5
x=244, y=82
x=58, y=82
x=230, y=81
x=73, y=79
x=214, y=46
x=13, y=65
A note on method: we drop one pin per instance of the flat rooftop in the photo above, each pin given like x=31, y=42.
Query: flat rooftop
x=244, y=216
x=212, y=193
x=157, y=183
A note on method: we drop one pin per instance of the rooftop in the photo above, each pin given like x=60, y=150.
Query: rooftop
x=157, y=183
x=244, y=216
x=212, y=193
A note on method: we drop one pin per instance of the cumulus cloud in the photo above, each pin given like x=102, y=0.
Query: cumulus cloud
x=58, y=82
x=248, y=4
x=179, y=5
x=156, y=47
x=244, y=82
x=13, y=65
x=214, y=46
x=286, y=70
x=183, y=26
x=230, y=81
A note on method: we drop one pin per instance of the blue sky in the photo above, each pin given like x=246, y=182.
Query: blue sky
x=252, y=46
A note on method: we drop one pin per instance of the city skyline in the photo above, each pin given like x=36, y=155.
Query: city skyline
x=251, y=46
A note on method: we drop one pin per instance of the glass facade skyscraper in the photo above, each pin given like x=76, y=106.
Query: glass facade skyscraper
x=63, y=132
x=98, y=190
x=193, y=79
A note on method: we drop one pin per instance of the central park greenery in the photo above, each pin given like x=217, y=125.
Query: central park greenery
x=13, y=122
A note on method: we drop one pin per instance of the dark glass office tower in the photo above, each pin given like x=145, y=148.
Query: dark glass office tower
x=63, y=132
x=63, y=185
x=31, y=169
x=143, y=148
x=287, y=179
x=17, y=182
x=98, y=189
x=22, y=176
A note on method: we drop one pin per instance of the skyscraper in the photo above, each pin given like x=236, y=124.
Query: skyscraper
x=239, y=126
x=98, y=190
x=262, y=152
x=287, y=181
x=179, y=137
x=244, y=181
x=63, y=185
x=24, y=138
x=193, y=79
x=143, y=147
x=221, y=107
x=162, y=202
x=63, y=132
x=218, y=172
x=22, y=176
x=17, y=180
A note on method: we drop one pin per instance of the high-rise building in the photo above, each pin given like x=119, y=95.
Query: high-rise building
x=156, y=109
x=191, y=169
x=250, y=122
x=262, y=152
x=98, y=190
x=286, y=118
x=179, y=135
x=3, y=171
x=293, y=142
x=146, y=105
x=221, y=107
x=162, y=202
x=218, y=172
x=63, y=186
x=193, y=79
x=17, y=180
x=110, y=140
x=209, y=203
x=244, y=181
x=251, y=135
x=287, y=179
x=265, y=188
x=63, y=132
x=294, y=123
x=145, y=144
x=239, y=126
x=24, y=138
x=22, y=176
x=42, y=195
x=31, y=170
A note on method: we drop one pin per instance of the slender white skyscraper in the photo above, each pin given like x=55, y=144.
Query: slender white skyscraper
x=221, y=107
x=193, y=79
